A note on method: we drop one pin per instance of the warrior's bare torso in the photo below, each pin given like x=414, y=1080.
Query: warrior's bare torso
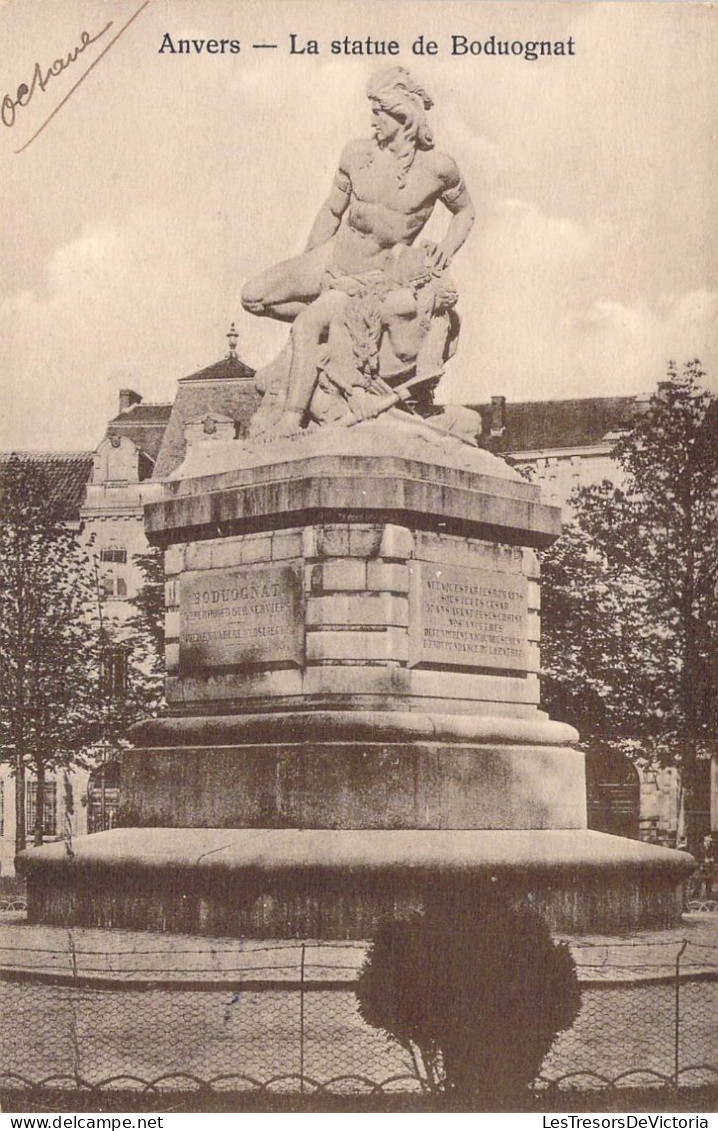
x=382, y=213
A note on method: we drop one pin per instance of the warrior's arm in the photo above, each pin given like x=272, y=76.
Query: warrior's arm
x=330, y=214
x=461, y=221
x=455, y=197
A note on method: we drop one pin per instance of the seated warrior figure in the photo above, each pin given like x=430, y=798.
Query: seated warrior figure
x=383, y=195
x=386, y=344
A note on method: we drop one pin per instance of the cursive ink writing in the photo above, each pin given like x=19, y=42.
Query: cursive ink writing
x=40, y=80
x=10, y=105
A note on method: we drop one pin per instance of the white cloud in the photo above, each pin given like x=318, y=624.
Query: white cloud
x=541, y=323
x=634, y=343
x=108, y=314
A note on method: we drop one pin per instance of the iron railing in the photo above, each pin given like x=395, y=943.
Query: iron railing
x=283, y=1019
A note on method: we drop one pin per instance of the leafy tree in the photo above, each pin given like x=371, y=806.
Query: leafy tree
x=141, y=692
x=149, y=618
x=49, y=637
x=148, y=627
x=474, y=989
x=629, y=594
x=131, y=663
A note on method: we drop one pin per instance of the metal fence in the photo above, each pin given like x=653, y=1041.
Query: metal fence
x=284, y=1019
x=12, y=904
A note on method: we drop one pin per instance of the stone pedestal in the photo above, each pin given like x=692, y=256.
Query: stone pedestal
x=352, y=675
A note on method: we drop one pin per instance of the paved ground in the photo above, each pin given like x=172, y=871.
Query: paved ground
x=99, y=1034
x=131, y=955
x=231, y=1024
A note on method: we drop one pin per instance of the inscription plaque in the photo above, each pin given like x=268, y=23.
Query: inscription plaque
x=241, y=618
x=465, y=617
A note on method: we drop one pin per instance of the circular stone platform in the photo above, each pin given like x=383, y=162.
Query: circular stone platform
x=333, y=883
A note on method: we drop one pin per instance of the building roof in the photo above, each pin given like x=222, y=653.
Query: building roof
x=225, y=388
x=64, y=474
x=144, y=424
x=228, y=369
x=537, y=425
x=143, y=414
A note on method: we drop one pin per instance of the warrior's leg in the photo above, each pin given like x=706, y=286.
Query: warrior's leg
x=285, y=290
x=309, y=331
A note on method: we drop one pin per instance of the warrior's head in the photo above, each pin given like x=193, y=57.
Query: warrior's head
x=396, y=96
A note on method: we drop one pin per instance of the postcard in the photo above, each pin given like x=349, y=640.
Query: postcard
x=294, y=292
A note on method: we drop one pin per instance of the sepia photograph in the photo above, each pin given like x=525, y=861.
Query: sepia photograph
x=358, y=560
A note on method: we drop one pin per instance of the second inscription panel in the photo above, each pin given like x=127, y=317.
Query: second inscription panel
x=464, y=617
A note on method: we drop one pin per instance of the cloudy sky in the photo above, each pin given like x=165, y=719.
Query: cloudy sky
x=130, y=223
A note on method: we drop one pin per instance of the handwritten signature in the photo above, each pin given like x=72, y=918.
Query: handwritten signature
x=24, y=92
x=41, y=77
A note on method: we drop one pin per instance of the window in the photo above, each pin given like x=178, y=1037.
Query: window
x=103, y=797
x=114, y=669
x=49, y=816
x=113, y=554
x=111, y=586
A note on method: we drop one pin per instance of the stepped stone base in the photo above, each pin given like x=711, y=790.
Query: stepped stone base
x=377, y=771
x=352, y=649
x=333, y=884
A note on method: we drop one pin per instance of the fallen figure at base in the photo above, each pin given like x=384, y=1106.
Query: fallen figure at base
x=383, y=340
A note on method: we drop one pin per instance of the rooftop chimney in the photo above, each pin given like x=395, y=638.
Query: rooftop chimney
x=663, y=390
x=128, y=397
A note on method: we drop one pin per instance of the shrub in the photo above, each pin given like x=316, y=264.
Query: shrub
x=475, y=990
